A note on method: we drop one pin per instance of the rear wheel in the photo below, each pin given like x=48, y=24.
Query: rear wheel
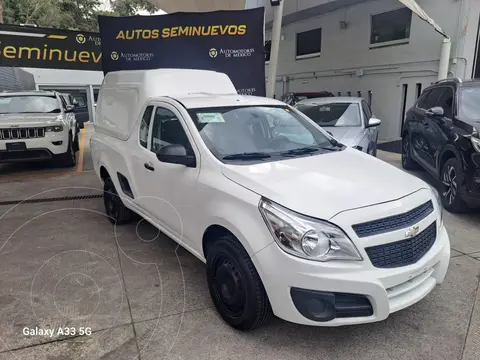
x=452, y=180
x=235, y=286
x=407, y=162
x=116, y=211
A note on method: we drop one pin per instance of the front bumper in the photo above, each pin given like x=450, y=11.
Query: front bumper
x=388, y=290
x=37, y=149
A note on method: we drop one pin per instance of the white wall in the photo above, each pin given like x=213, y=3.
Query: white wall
x=66, y=77
x=385, y=70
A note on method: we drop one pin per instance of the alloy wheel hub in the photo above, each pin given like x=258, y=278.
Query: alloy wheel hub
x=449, y=181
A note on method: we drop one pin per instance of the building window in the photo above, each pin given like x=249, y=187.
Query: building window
x=309, y=44
x=391, y=28
x=268, y=48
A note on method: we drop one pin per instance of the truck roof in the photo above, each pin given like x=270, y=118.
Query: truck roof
x=200, y=100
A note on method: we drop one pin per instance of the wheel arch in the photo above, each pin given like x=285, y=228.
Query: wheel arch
x=448, y=152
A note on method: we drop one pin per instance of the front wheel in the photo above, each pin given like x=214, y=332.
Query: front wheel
x=68, y=158
x=235, y=286
x=451, y=186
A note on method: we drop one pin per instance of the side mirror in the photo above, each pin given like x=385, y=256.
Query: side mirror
x=435, y=111
x=372, y=122
x=69, y=108
x=175, y=154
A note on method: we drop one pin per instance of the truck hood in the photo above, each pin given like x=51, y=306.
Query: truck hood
x=349, y=136
x=25, y=120
x=324, y=185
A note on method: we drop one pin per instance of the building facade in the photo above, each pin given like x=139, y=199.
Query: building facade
x=376, y=49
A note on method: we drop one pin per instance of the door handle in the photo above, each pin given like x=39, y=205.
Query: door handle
x=149, y=166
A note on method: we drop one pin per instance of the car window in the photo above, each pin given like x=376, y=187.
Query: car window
x=367, y=111
x=333, y=114
x=30, y=104
x=422, y=100
x=168, y=130
x=80, y=100
x=446, y=101
x=145, y=125
x=469, y=104
x=256, y=129
x=432, y=98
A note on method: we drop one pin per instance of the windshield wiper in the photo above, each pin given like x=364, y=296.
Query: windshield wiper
x=247, y=156
x=301, y=151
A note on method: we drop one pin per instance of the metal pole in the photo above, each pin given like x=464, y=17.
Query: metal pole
x=444, y=59
x=276, y=33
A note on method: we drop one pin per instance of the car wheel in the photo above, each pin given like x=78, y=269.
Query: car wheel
x=235, y=286
x=76, y=145
x=116, y=211
x=452, y=180
x=407, y=162
x=68, y=158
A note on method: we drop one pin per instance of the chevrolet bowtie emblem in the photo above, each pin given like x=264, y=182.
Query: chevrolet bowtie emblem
x=411, y=232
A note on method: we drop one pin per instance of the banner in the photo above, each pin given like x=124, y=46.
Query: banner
x=34, y=47
x=412, y=5
x=226, y=41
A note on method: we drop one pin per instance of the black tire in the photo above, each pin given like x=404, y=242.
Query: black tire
x=68, y=158
x=452, y=181
x=76, y=145
x=235, y=286
x=407, y=162
x=114, y=208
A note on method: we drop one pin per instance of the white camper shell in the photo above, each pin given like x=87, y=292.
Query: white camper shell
x=124, y=93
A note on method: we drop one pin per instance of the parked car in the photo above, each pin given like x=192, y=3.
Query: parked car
x=293, y=98
x=36, y=126
x=300, y=228
x=69, y=103
x=81, y=109
x=441, y=135
x=349, y=120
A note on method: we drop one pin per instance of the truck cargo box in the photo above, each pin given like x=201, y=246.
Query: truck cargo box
x=124, y=93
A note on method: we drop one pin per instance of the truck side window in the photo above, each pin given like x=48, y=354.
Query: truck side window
x=145, y=125
x=167, y=130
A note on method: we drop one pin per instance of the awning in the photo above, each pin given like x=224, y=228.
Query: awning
x=412, y=5
x=171, y=6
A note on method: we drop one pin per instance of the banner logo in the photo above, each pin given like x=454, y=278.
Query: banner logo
x=213, y=53
x=231, y=53
x=81, y=38
x=114, y=55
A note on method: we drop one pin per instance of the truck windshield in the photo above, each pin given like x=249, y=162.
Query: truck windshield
x=29, y=104
x=332, y=114
x=469, y=104
x=259, y=132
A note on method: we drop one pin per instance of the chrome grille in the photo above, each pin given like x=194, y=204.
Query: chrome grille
x=403, y=252
x=22, y=133
x=395, y=222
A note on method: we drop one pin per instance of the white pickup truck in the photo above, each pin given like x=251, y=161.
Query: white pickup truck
x=301, y=226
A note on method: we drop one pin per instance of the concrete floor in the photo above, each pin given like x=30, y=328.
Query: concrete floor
x=62, y=264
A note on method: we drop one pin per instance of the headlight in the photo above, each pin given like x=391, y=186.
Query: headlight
x=307, y=237
x=475, y=143
x=439, y=205
x=56, y=128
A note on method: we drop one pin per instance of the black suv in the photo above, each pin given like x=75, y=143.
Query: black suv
x=441, y=134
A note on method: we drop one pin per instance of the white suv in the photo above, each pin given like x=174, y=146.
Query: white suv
x=37, y=126
x=316, y=232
